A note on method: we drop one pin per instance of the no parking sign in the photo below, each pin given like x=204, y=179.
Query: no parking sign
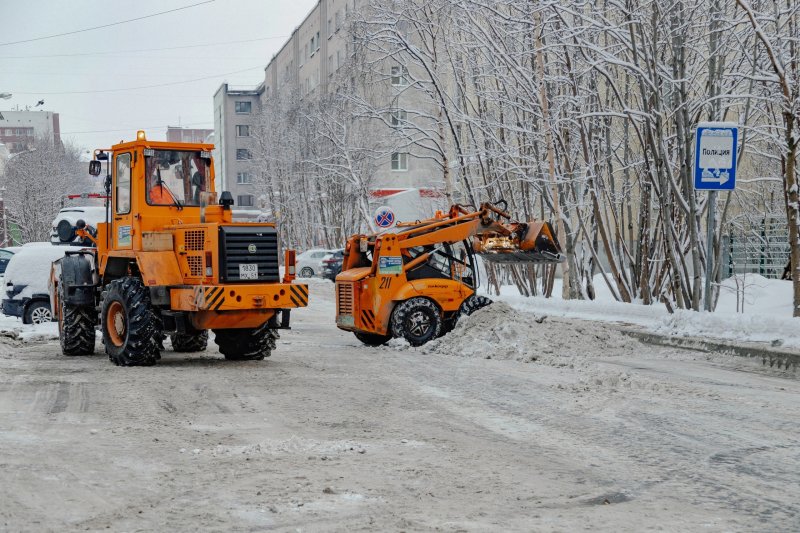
x=384, y=217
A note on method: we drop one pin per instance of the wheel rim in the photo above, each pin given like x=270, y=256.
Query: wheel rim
x=40, y=315
x=419, y=323
x=306, y=272
x=115, y=323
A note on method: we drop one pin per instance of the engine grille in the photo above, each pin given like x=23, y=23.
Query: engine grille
x=195, y=240
x=344, y=298
x=195, y=263
x=248, y=246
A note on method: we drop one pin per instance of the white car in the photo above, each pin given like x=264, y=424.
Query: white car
x=63, y=231
x=309, y=263
x=25, y=286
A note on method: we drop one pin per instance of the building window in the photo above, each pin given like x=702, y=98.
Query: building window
x=243, y=108
x=399, y=116
x=399, y=76
x=331, y=69
x=338, y=59
x=243, y=178
x=399, y=161
x=243, y=154
x=244, y=200
x=330, y=28
x=305, y=53
x=338, y=20
x=317, y=48
x=242, y=130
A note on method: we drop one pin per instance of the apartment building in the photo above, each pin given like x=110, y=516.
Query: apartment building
x=178, y=134
x=235, y=109
x=307, y=65
x=18, y=129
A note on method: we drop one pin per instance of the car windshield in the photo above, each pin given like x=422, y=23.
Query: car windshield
x=177, y=178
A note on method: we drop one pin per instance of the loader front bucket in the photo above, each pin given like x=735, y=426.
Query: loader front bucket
x=533, y=242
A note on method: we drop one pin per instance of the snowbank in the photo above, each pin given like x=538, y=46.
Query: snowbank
x=500, y=332
x=13, y=328
x=767, y=313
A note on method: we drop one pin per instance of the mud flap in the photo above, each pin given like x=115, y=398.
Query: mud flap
x=78, y=285
x=280, y=320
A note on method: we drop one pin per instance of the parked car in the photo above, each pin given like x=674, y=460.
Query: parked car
x=332, y=264
x=25, y=291
x=5, y=257
x=309, y=263
x=63, y=231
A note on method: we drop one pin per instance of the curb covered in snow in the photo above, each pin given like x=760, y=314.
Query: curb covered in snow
x=773, y=357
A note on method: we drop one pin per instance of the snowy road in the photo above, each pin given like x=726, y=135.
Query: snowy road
x=330, y=435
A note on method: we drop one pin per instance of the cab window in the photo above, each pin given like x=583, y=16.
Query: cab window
x=123, y=191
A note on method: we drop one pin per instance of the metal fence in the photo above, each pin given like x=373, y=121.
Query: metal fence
x=758, y=248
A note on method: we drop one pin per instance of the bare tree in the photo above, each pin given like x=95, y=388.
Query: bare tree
x=37, y=181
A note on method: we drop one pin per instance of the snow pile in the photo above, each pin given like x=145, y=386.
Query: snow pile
x=500, y=332
x=12, y=328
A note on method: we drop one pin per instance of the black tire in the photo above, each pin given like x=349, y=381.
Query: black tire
x=249, y=344
x=65, y=231
x=417, y=320
x=306, y=272
x=472, y=304
x=76, y=329
x=189, y=342
x=130, y=327
x=38, y=312
x=372, y=339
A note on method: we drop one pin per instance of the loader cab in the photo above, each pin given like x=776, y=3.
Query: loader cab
x=154, y=185
x=453, y=261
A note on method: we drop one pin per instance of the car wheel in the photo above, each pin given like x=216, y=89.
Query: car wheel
x=38, y=313
x=306, y=272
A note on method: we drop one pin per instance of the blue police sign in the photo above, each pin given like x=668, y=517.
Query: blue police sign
x=715, y=156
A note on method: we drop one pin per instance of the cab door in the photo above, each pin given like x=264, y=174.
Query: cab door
x=122, y=224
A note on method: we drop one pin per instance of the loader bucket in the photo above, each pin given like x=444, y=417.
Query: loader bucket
x=534, y=242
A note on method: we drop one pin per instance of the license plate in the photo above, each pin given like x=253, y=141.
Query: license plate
x=248, y=271
x=346, y=320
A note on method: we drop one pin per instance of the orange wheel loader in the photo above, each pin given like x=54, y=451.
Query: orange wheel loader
x=415, y=281
x=169, y=260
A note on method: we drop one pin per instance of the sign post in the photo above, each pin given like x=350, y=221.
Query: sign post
x=714, y=170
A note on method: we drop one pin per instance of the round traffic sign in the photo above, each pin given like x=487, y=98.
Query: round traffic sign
x=384, y=217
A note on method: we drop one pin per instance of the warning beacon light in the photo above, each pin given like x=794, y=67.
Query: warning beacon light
x=140, y=136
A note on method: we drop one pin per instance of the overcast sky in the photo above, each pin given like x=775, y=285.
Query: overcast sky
x=50, y=69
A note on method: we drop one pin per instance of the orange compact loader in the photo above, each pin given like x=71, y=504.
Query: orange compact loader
x=170, y=260
x=414, y=282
